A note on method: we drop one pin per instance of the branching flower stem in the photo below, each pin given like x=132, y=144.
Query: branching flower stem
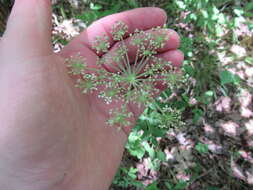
x=130, y=82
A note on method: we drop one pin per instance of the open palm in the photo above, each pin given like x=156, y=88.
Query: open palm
x=51, y=135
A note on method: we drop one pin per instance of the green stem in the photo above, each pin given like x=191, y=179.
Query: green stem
x=128, y=65
x=142, y=65
x=158, y=107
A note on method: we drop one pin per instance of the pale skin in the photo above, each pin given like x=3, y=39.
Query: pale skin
x=52, y=137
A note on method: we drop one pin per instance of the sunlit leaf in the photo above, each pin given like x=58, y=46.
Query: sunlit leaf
x=95, y=6
x=202, y=148
x=228, y=77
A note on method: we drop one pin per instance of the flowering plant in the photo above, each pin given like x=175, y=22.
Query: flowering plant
x=121, y=78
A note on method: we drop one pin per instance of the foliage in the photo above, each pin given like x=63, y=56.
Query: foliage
x=202, y=148
x=125, y=178
x=98, y=10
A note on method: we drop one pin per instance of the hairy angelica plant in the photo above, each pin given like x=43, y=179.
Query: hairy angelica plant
x=120, y=77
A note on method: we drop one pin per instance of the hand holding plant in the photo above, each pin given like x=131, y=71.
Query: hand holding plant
x=129, y=75
x=52, y=136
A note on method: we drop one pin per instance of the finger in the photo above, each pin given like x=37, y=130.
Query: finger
x=133, y=55
x=29, y=27
x=141, y=18
x=176, y=58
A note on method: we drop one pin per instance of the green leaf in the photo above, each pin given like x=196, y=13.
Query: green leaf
x=248, y=14
x=149, y=149
x=193, y=16
x=133, y=3
x=137, y=184
x=209, y=93
x=202, y=148
x=249, y=60
x=219, y=30
x=222, y=18
x=133, y=137
x=134, y=145
x=181, y=185
x=205, y=14
x=152, y=186
x=249, y=6
x=161, y=156
x=88, y=17
x=181, y=4
x=228, y=77
x=132, y=172
x=250, y=26
x=95, y=7
x=139, y=153
x=169, y=186
x=215, y=10
x=189, y=70
x=198, y=113
x=156, y=131
x=238, y=12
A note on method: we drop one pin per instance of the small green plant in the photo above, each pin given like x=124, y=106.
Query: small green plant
x=202, y=148
x=120, y=78
x=179, y=186
x=125, y=178
x=95, y=11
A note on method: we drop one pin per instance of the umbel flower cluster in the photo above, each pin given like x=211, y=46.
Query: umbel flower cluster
x=120, y=77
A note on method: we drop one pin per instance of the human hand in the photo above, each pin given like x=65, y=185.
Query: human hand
x=52, y=136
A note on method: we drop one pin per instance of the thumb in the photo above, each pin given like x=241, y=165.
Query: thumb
x=29, y=27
